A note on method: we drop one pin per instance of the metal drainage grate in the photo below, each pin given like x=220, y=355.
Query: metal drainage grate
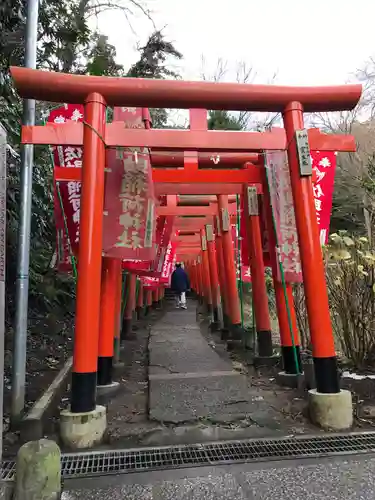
x=136, y=460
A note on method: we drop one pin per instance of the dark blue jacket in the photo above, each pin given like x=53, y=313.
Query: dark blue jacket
x=180, y=281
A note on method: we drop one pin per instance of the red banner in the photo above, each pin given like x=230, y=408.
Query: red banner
x=63, y=252
x=128, y=230
x=169, y=260
x=129, y=197
x=135, y=265
x=324, y=165
x=245, y=269
x=150, y=282
x=246, y=275
x=163, y=238
x=69, y=157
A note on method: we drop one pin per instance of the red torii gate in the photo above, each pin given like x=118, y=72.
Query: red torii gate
x=95, y=135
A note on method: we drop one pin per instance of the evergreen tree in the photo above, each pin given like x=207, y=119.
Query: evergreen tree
x=66, y=43
x=223, y=120
x=102, y=58
x=153, y=64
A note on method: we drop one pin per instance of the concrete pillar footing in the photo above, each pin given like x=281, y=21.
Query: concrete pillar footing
x=102, y=390
x=292, y=380
x=83, y=430
x=331, y=411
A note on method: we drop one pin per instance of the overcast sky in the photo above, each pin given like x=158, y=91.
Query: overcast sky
x=305, y=43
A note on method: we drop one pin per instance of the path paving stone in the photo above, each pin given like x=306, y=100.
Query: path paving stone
x=189, y=381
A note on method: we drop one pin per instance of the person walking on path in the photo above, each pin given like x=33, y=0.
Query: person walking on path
x=180, y=284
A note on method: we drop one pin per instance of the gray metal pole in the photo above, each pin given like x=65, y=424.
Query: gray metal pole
x=3, y=200
x=22, y=284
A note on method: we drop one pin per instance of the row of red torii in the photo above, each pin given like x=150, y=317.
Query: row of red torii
x=209, y=257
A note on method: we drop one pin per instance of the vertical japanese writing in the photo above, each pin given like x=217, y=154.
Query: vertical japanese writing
x=324, y=165
x=283, y=212
x=74, y=196
x=133, y=198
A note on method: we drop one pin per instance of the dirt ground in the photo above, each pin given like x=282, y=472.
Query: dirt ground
x=49, y=345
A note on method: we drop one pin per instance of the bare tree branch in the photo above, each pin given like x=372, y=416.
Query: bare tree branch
x=128, y=7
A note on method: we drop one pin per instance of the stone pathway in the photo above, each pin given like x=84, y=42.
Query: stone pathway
x=179, y=385
x=190, y=382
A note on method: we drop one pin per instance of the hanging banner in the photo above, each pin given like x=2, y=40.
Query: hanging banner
x=324, y=165
x=277, y=170
x=243, y=233
x=135, y=265
x=67, y=156
x=129, y=204
x=69, y=194
x=128, y=230
x=163, y=236
x=150, y=282
x=264, y=232
x=63, y=252
x=69, y=203
x=240, y=267
x=169, y=262
x=245, y=272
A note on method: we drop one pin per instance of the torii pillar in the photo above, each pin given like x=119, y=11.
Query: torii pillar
x=327, y=398
x=206, y=273
x=214, y=278
x=83, y=408
x=108, y=323
x=233, y=305
x=260, y=297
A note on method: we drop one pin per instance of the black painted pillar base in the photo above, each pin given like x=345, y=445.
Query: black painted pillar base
x=225, y=328
x=264, y=340
x=147, y=310
x=289, y=360
x=236, y=337
x=139, y=312
x=236, y=332
x=105, y=370
x=224, y=334
x=126, y=330
x=215, y=314
x=83, y=392
x=326, y=375
x=215, y=323
x=249, y=338
x=208, y=309
x=226, y=321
